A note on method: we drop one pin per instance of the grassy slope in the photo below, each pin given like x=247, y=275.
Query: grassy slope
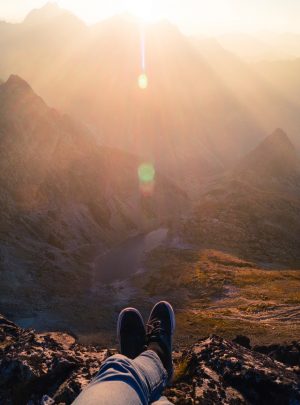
x=215, y=292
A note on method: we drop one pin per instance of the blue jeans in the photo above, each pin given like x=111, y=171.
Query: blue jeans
x=129, y=382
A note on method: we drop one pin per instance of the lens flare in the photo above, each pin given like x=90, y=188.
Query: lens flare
x=143, y=81
x=146, y=173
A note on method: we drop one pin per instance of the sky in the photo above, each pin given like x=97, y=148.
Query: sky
x=192, y=16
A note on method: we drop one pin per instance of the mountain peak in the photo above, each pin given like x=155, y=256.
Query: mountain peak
x=275, y=156
x=277, y=146
x=16, y=84
x=49, y=13
x=16, y=80
x=16, y=90
x=279, y=137
x=51, y=6
x=49, y=10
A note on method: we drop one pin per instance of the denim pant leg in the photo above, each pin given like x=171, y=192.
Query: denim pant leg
x=124, y=381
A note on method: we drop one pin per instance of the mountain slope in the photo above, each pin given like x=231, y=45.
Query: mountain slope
x=187, y=118
x=254, y=209
x=63, y=199
x=283, y=76
x=204, y=107
x=263, y=46
x=252, y=48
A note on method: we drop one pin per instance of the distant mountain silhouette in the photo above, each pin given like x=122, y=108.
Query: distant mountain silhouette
x=252, y=48
x=254, y=209
x=187, y=121
x=283, y=76
x=203, y=110
x=266, y=90
x=275, y=157
x=262, y=46
x=64, y=199
x=49, y=12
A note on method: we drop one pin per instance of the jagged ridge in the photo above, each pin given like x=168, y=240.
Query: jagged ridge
x=53, y=368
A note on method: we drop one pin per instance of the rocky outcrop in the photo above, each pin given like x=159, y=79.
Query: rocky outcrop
x=52, y=368
x=288, y=354
x=216, y=371
x=43, y=367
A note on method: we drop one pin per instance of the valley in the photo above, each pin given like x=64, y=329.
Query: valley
x=120, y=197
x=125, y=260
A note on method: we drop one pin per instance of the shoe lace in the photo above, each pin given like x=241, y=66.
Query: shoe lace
x=154, y=328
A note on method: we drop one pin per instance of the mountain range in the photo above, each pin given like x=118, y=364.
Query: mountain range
x=262, y=46
x=121, y=195
x=196, y=113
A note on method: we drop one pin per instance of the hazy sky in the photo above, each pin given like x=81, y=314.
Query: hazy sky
x=192, y=16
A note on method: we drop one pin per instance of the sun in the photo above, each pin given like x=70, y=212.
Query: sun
x=143, y=9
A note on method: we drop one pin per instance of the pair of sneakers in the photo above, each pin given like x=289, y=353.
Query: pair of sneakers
x=135, y=337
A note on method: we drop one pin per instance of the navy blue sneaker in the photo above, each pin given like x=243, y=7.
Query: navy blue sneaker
x=131, y=333
x=159, y=333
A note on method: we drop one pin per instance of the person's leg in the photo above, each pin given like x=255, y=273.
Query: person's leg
x=125, y=381
x=140, y=380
